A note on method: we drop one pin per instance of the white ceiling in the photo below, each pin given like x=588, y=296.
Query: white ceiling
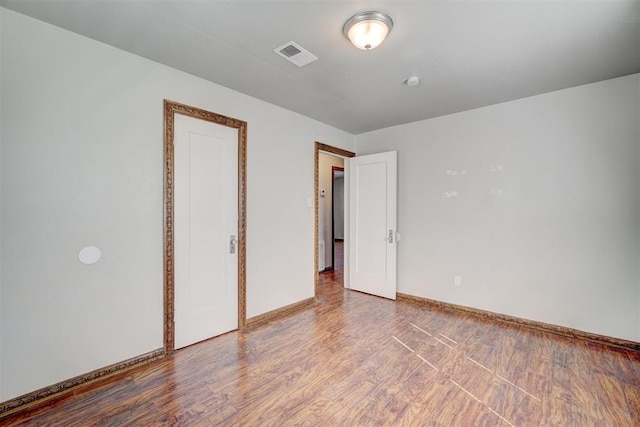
x=467, y=54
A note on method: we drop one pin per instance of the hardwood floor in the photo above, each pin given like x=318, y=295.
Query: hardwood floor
x=355, y=359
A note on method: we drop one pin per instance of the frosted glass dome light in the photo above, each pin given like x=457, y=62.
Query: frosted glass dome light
x=367, y=30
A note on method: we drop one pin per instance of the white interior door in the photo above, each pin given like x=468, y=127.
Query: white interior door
x=205, y=219
x=372, y=224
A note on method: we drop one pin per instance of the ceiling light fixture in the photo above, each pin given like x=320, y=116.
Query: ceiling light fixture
x=366, y=30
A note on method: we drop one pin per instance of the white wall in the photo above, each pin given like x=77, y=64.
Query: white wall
x=1, y=198
x=82, y=164
x=325, y=205
x=534, y=203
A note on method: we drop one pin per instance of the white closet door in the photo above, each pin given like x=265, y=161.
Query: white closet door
x=206, y=222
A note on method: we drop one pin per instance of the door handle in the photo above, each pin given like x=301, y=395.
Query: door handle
x=232, y=244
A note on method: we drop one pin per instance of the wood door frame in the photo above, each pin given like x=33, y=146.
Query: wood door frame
x=170, y=109
x=334, y=169
x=318, y=147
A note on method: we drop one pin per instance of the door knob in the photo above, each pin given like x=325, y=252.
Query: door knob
x=232, y=244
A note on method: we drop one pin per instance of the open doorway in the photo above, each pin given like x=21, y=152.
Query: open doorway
x=370, y=210
x=337, y=223
x=328, y=165
x=329, y=214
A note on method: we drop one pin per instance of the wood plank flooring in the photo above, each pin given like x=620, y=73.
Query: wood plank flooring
x=355, y=359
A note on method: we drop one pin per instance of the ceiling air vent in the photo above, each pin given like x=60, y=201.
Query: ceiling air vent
x=296, y=54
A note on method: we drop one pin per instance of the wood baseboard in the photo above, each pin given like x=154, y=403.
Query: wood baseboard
x=531, y=324
x=65, y=389
x=279, y=313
